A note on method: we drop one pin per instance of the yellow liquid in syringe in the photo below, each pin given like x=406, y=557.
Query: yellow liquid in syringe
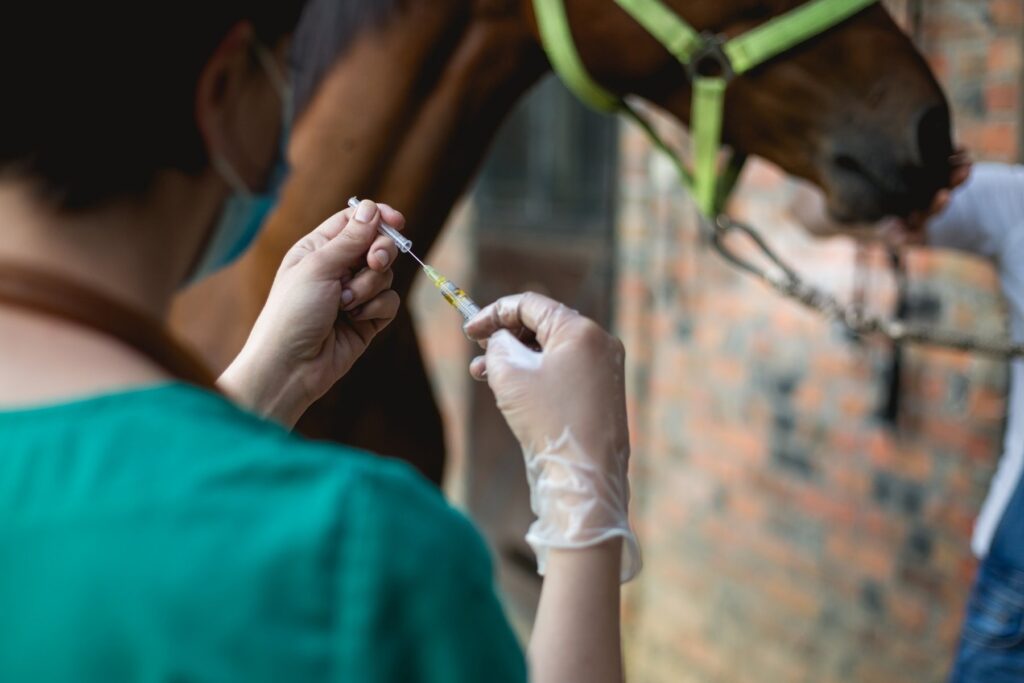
x=452, y=293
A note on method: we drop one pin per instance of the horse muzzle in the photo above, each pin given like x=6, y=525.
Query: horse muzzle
x=871, y=176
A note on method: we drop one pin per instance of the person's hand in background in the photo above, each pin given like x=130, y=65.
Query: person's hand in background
x=330, y=298
x=809, y=208
x=960, y=164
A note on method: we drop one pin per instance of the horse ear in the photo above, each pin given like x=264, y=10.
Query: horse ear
x=326, y=31
x=219, y=83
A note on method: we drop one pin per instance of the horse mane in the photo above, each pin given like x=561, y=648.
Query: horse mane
x=326, y=30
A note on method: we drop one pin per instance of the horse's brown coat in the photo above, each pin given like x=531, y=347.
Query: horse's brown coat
x=406, y=113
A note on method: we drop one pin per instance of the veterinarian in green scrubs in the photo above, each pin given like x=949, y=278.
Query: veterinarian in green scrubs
x=159, y=524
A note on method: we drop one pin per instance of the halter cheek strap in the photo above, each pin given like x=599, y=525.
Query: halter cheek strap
x=712, y=61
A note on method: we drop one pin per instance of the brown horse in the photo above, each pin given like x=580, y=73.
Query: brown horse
x=410, y=93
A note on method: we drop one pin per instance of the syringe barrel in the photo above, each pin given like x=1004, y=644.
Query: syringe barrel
x=459, y=299
x=403, y=243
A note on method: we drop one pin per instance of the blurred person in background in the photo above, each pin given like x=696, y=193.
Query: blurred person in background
x=157, y=524
x=983, y=216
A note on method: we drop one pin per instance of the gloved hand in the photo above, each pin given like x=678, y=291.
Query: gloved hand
x=566, y=405
x=330, y=298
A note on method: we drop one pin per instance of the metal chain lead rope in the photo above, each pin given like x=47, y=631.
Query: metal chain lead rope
x=787, y=282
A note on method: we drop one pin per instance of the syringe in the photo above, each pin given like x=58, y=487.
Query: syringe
x=451, y=292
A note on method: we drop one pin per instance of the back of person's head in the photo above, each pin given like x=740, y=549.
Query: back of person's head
x=100, y=97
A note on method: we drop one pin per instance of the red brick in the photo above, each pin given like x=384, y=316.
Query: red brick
x=999, y=140
x=859, y=555
x=956, y=519
x=915, y=463
x=1004, y=56
x=1007, y=13
x=1002, y=97
x=986, y=404
x=940, y=65
x=982, y=449
x=908, y=611
x=849, y=481
x=836, y=510
x=883, y=451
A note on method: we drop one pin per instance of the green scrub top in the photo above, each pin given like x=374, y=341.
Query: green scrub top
x=165, y=535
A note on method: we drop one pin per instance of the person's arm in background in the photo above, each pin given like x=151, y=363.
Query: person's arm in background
x=982, y=205
x=577, y=635
x=564, y=399
x=983, y=214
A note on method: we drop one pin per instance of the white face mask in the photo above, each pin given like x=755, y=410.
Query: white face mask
x=245, y=211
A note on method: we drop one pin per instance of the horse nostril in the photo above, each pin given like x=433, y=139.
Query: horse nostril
x=848, y=163
x=894, y=174
x=934, y=141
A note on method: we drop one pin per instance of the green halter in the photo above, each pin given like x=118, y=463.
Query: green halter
x=729, y=57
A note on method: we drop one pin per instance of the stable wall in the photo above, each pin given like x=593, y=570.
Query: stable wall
x=790, y=533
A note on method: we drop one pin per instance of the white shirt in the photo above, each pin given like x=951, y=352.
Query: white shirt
x=986, y=217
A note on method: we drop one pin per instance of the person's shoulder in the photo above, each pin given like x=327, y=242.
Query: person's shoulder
x=206, y=444
x=184, y=417
x=409, y=512
x=399, y=557
x=385, y=492
x=385, y=496
x=380, y=497
x=415, y=580
x=374, y=504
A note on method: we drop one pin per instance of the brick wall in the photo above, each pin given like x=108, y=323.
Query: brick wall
x=975, y=48
x=790, y=533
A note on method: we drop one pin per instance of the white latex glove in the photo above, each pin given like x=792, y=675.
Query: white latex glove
x=330, y=298
x=566, y=405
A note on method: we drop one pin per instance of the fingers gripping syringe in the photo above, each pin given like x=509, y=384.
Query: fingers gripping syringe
x=452, y=293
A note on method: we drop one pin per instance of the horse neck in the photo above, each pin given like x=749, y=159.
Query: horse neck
x=406, y=117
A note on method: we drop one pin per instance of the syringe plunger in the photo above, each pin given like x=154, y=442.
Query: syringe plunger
x=404, y=244
x=452, y=293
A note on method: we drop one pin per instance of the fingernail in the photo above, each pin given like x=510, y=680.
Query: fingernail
x=382, y=256
x=347, y=296
x=365, y=212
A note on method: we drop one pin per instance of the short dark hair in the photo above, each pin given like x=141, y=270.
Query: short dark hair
x=100, y=96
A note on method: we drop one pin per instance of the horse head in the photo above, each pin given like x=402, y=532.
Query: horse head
x=855, y=110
